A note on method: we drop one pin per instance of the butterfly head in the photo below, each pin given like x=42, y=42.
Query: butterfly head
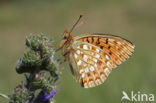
x=67, y=35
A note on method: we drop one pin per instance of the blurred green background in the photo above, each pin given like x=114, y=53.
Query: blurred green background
x=134, y=20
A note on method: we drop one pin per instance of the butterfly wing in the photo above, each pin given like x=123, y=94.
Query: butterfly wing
x=118, y=48
x=89, y=64
x=94, y=56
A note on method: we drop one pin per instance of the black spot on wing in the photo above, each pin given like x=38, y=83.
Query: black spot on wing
x=106, y=40
x=109, y=47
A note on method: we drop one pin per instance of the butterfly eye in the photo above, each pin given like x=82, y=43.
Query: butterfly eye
x=66, y=36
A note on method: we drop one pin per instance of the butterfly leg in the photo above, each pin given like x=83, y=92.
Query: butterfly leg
x=64, y=60
x=58, y=49
x=55, y=47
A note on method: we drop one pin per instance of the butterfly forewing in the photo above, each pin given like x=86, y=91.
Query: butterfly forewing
x=93, y=64
x=119, y=49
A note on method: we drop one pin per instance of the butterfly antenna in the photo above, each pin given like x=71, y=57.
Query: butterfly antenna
x=76, y=23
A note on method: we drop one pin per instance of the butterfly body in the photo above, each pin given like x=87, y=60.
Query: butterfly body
x=92, y=57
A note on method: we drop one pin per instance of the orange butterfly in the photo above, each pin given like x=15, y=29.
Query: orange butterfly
x=92, y=57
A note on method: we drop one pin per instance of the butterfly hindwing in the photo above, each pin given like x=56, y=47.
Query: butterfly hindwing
x=92, y=63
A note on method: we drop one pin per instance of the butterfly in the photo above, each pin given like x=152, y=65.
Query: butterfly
x=92, y=57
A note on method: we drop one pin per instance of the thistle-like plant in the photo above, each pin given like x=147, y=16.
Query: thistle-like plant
x=41, y=72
